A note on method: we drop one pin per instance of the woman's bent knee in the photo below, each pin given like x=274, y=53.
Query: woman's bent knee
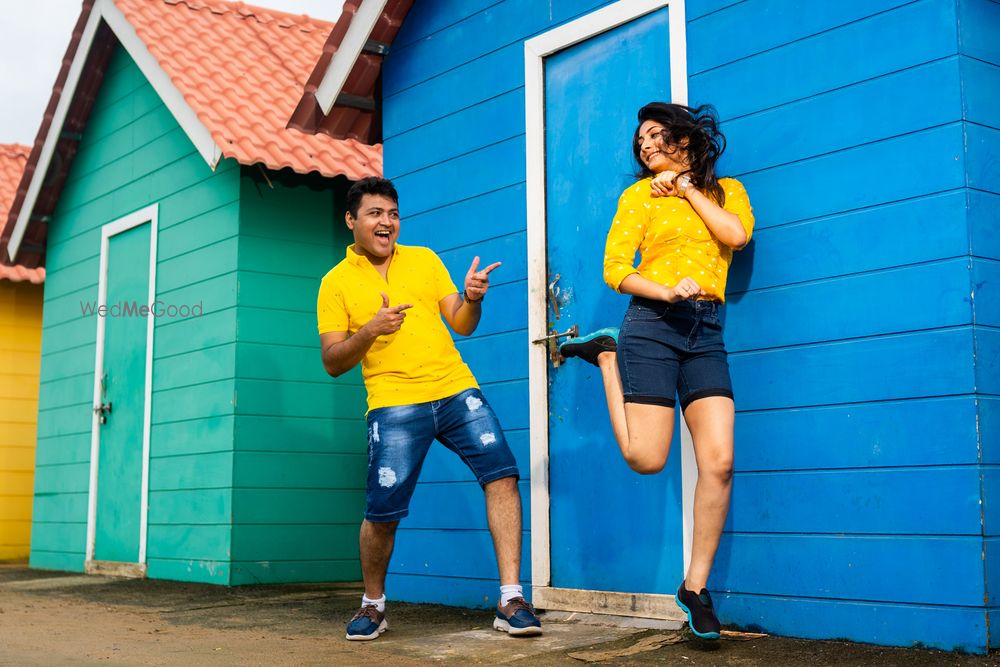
x=646, y=465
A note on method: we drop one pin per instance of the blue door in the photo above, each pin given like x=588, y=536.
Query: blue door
x=119, y=470
x=610, y=528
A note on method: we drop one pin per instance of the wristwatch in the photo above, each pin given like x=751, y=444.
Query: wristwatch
x=683, y=184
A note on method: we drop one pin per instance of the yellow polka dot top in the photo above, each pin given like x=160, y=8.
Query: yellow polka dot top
x=672, y=240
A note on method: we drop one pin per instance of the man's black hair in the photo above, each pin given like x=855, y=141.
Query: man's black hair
x=373, y=185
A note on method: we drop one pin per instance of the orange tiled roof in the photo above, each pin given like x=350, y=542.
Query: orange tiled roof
x=12, y=160
x=242, y=70
x=18, y=273
x=13, y=157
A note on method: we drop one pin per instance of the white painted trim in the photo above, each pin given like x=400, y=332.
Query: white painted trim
x=348, y=52
x=535, y=51
x=52, y=138
x=186, y=117
x=162, y=84
x=538, y=360
x=591, y=25
x=677, y=20
x=689, y=479
x=149, y=214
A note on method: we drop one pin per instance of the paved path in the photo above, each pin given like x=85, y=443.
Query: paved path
x=53, y=619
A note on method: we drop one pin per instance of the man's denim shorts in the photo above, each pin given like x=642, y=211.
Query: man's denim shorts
x=670, y=349
x=400, y=436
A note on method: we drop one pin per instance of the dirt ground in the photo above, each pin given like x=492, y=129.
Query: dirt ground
x=53, y=619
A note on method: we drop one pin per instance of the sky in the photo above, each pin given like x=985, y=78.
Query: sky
x=34, y=35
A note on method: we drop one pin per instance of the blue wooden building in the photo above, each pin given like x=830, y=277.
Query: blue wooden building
x=862, y=321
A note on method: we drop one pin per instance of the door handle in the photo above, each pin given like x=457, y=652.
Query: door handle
x=554, y=296
x=552, y=342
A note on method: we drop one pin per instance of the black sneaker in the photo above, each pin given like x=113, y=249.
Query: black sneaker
x=701, y=615
x=589, y=346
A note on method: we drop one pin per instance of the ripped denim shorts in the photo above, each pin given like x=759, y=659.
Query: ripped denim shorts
x=400, y=436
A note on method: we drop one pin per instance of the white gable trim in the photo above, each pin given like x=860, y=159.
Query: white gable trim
x=348, y=52
x=198, y=134
x=162, y=84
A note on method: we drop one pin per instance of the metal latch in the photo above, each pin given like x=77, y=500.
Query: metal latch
x=552, y=341
x=554, y=296
x=103, y=410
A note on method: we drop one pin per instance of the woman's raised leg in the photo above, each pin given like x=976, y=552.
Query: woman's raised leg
x=643, y=432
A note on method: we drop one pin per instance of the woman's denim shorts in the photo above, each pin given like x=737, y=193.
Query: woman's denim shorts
x=672, y=349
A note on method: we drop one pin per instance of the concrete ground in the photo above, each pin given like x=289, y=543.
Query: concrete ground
x=52, y=619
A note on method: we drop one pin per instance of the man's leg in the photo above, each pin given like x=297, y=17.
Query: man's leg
x=470, y=428
x=503, y=512
x=398, y=440
x=377, y=540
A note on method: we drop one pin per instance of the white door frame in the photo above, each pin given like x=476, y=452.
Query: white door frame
x=149, y=214
x=535, y=52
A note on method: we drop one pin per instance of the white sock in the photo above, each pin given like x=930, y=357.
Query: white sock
x=378, y=602
x=509, y=592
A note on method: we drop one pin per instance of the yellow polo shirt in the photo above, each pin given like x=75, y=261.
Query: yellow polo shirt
x=418, y=363
x=672, y=239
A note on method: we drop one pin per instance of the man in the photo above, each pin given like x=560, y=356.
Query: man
x=382, y=306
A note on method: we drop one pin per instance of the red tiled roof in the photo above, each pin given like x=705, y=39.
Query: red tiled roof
x=18, y=273
x=12, y=160
x=242, y=70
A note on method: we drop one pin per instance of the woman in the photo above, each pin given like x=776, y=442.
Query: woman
x=685, y=223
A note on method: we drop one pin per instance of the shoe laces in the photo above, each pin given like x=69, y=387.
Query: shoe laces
x=369, y=610
x=519, y=603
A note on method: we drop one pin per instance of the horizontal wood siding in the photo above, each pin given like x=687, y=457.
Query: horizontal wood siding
x=132, y=154
x=979, y=24
x=454, y=145
x=300, y=463
x=20, y=354
x=850, y=323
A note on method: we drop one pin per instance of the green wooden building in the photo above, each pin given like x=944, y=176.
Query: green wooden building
x=186, y=428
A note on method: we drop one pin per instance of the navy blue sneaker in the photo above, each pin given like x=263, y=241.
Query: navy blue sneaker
x=589, y=346
x=367, y=624
x=701, y=615
x=517, y=617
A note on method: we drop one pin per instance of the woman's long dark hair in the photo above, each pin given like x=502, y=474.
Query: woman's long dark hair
x=697, y=129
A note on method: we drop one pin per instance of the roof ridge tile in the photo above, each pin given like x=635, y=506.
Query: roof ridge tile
x=282, y=19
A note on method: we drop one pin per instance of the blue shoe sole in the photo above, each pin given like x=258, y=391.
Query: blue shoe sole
x=611, y=332
x=703, y=635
